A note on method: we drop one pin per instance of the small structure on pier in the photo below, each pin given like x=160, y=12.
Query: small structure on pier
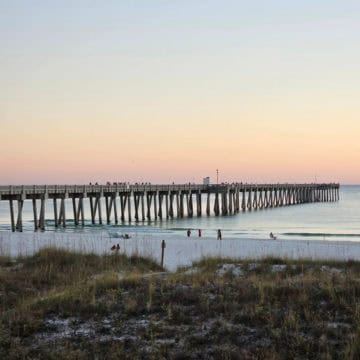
x=206, y=180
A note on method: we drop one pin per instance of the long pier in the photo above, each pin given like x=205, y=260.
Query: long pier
x=159, y=201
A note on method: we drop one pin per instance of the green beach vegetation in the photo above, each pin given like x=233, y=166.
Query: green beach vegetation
x=60, y=304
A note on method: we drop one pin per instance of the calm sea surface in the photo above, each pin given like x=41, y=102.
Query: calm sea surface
x=330, y=221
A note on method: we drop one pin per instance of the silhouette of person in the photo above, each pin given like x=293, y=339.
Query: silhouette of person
x=188, y=233
x=199, y=232
x=219, y=234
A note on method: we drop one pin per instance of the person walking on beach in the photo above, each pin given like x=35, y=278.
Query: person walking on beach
x=199, y=232
x=219, y=234
x=188, y=233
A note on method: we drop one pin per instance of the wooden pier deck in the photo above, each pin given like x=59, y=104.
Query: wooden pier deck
x=159, y=201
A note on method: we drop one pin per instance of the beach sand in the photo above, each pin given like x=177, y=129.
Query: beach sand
x=180, y=250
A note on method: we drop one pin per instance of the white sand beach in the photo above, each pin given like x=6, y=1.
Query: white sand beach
x=180, y=250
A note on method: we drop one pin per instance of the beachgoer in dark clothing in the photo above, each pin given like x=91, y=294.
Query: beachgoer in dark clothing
x=115, y=248
x=219, y=234
x=188, y=233
x=199, y=232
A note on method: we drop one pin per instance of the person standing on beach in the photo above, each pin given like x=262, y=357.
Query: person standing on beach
x=219, y=234
x=188, y=233
x=199, y=232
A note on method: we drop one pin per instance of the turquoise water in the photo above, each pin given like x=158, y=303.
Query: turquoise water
x=330, y=221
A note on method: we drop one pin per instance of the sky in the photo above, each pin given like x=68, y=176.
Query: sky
x=169, y=91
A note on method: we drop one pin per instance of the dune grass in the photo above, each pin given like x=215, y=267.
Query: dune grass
x=58, y=304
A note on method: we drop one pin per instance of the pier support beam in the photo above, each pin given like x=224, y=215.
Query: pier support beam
x=95, y=208
x=190, y=205
x=142, y=207
x=243, y=202
x=171, y=205
x=148, y=205
x=255, y=200
x=237, y=201
x=136, y=206
x=160, y=197
x=129, y=207
x=78, y=210
x=249, y=202
x=123, y=200
x=20, y=204
x=216, y=205
x=198, y=203
x=208, y=204
x=181, y=204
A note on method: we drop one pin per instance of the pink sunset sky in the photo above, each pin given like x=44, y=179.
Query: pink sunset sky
x=172, y=91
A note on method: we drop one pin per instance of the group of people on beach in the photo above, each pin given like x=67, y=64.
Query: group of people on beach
x=115, y=248
x=219, y=235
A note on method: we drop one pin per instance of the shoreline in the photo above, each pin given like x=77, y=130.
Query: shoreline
x=180, y=250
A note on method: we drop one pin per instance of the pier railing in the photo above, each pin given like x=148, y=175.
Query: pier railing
x=160, y=201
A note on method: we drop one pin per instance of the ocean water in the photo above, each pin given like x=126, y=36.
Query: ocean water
x=323, y=221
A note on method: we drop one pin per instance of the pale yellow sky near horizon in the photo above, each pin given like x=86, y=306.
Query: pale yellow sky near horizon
x=244, y=148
